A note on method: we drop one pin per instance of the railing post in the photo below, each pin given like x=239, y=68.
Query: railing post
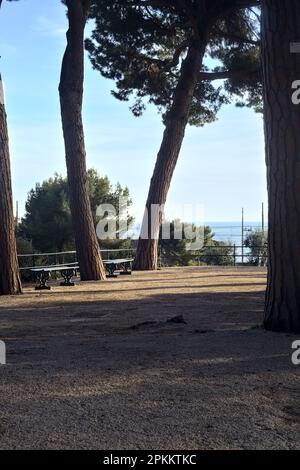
x=234, y=255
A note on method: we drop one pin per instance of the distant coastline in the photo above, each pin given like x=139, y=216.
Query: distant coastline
x=223, y=231
x=232, y=231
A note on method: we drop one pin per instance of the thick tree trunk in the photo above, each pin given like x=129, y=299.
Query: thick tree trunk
x=280, y=28
x=10, y=283
x=146, y=255
x=71, y=96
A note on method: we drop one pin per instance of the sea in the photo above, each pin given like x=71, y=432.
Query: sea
x=232, y=231
x=224, y=231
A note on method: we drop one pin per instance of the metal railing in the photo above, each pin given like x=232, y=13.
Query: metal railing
x=238, y=255
x=231, y=255
x=30, y=261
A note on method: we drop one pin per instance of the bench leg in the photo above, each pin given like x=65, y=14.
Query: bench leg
x=42, y=281
x=68, y=275
x=111, y=268
x=127, y=269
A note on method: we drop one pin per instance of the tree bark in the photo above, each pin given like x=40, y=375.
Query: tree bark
x=10, y=283
x=280, y=27
x=71, y=97
x=146, y=255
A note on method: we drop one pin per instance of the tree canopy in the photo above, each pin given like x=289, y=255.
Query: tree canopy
x=140, y=45
x=47, y=223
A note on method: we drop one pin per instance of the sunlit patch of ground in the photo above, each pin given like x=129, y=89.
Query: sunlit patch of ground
x=101, y=366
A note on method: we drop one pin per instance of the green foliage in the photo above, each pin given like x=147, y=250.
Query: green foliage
x=101, y=192
x=141, y=48
x=218, y=253
x=47, y=224
x=24, y=246
x=244, y=88
x=257, y=242
x=174, y=252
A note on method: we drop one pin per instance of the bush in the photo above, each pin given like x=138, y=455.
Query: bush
x=218, y=253
x=256, y=241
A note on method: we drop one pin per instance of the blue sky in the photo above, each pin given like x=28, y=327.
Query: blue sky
x=221, y=165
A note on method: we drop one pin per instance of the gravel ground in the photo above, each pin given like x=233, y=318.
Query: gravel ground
x=99, y=366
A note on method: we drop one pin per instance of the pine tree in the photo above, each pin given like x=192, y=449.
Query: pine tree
x=71, y=96
x=281, y=71
x=155, y=49
x=9, y=269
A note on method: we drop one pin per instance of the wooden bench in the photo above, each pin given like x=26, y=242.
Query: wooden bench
x=43, y=274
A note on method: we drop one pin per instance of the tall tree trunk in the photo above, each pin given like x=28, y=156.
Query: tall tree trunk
x=10, y=283
x=71, y=96
x=280, y=28
x=146, y=255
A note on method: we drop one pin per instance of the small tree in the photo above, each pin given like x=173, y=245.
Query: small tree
x=256, y=241
x=173, y=251
x=47, y=223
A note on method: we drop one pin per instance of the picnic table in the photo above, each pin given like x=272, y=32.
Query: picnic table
x=114, y=268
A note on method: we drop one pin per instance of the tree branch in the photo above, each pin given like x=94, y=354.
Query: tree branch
x=190, y=15
x=222, y=9
x=227, y=74
x=178, y=51
x=151, y=3
x=255, y=14
x=236, y=38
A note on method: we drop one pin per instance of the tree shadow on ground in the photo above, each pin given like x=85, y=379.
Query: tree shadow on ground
x=116, y=374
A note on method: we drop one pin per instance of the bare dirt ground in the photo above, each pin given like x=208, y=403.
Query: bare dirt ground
x=99, y=366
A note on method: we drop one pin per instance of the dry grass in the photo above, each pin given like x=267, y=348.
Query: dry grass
x=99, y=366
